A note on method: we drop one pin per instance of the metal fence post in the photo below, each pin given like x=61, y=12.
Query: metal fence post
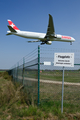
x=17, y=70
x=14, y=73
x=38, y=72
x=23, y=71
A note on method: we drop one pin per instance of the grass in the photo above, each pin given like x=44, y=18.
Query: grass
x=54, y=107
x=14, y=102
x=69, y=76
x=54, y=92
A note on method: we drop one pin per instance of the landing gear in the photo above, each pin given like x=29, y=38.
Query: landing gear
x=45, y=42
x=70, y=43
x=42, y=43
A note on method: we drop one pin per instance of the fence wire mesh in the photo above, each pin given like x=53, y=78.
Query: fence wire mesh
x=26, y=71
x=51, y=77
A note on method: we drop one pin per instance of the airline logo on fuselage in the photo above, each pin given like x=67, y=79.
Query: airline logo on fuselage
x=66, y=37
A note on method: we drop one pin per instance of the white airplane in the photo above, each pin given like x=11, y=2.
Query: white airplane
x=45, y=38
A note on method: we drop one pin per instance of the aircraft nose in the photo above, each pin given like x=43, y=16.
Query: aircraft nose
x=73, y=39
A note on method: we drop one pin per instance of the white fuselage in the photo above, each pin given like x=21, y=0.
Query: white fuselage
x=41, y=36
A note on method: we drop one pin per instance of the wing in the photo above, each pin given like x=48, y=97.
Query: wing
x=50, y=33
x=50, y=30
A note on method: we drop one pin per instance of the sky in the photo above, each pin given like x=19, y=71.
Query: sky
x=33, y=15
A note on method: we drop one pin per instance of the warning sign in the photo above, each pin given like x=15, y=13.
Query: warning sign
x=64, y=59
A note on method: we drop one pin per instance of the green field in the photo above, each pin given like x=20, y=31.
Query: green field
x=53, y=92
x=56, y=75
x=50, y=91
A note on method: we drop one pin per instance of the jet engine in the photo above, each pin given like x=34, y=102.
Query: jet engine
x=49, y=42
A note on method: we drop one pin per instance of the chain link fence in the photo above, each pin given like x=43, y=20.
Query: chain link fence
x=44, y=82
x=25, y=72
x=51, y=77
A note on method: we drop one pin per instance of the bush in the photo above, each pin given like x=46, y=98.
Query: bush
x=7, y=92
x=7, y=76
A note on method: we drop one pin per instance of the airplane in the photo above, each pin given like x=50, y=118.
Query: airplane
x=44, y=38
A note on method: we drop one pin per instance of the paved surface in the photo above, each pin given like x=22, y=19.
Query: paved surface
x=53, y=82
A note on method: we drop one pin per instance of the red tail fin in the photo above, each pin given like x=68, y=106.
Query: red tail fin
x=12, y=25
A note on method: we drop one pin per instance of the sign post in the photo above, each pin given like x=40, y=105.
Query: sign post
x=62, y=91
x=64, y=60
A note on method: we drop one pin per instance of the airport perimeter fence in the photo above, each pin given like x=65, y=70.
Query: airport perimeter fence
x=43, y=82
x=51, y=79
x=26, y=72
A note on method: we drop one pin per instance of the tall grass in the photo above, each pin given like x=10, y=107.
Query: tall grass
x=14, y=104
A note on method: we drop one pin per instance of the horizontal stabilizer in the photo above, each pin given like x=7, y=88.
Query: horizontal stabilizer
x=9, y=34
x=11, y=29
